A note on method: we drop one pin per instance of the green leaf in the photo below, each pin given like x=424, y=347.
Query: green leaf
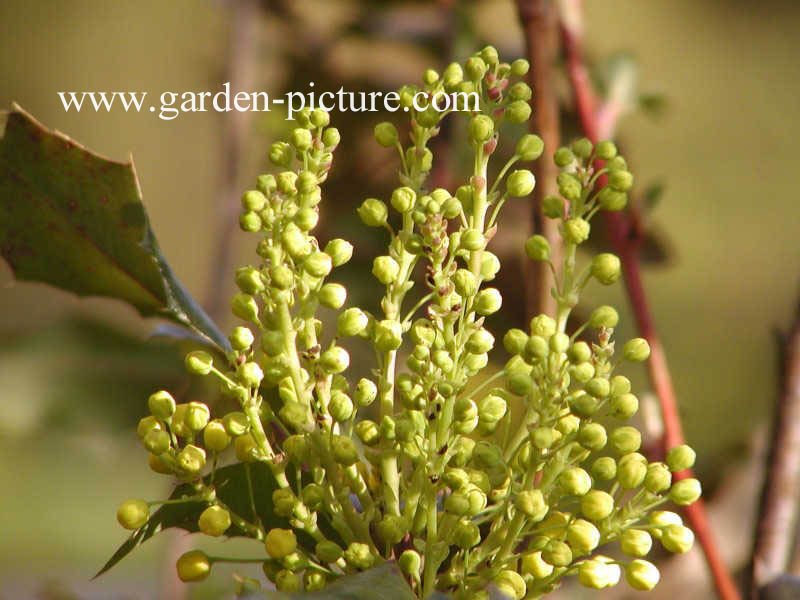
x=381, y=583
x=232, y=488
x=74, y=219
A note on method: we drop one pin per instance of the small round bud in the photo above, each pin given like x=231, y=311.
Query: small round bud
x=280, y=153
x=543, y=325
x=488, y=301
x=410, y=563
x=280, y=543
x=359, y=556
x=335, y=360
x=677, y=538
x=642, y=575
x=582, y=536
x=340, y=407
x=635, y=542
x=597, y=505
x=403, y=199
x=156, y=441
x=592, y=436
x=545, y=437
x=582, y=148
x=318, y=264
x=569, y=186
x=532, y=504
x=281, y=277
x=480, y=341
x=161, y=405
x=331, y=137
x=344, y=450
x=215, y=437
x=620, y=385
x=385, y=269
x=192, y=459
x=328, y=552
x=158, y=466
x=365, y=393
x=368, y=432
x=563, y=157
x=575, y=481
x=662, y=518
x=133, y=514
x=214, y=521
x=249, y=280
x=244, y=306
x=680, y=458
x=624, y=406
x=236, y=423
x=287, y=581
x=520, y=183
x=553, y=206
x=631, y=471
x=481, y=129
x=620, y=180
x=576, y=231
x=301, y=139
x=636, y=350
x=518, y=111
x=625, y=440
x=685, y=491
x=466, y=535
x=199, y=362
x=658, y=478
x=604, y=468
x=582, y=372
x=597, y=574
x=611, y=199
x=241, y=338
x=511, y=584
x=388, y=335
x=533, y=565
x=430, y=76
x=196, y=416
x=353, y=321
x=530, y=147
x=250, y=374
x=559, y=342
x=582, y=404
x=557, y=554
x=340, y=251
x=604, y=316
x=306, y=182
x=490, y=266
x=492, y=408
x=386, y=134
x=519, y=383
x=466, y=284
x=490, y=55
x=579, y=352
x=245, y=446
x=193, y=566
x=452, y=75
x=605, y=150
x=537, y=248
x=514, y=341
x=520, y=67
x=475, y=68
x=606, y=268
x=250, y=222
x=472, y=239
x=373, y=212
x=332, y=295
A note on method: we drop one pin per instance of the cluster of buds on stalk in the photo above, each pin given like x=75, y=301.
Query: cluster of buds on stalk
x=517, y=478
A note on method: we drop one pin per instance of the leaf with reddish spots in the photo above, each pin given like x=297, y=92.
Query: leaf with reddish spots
x=75, y=220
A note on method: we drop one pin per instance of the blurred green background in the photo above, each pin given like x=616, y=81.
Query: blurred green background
x=75, y=373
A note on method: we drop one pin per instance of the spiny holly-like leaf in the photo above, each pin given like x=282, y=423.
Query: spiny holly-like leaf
x=381, y=583
x=233, y=489
x=75, y=220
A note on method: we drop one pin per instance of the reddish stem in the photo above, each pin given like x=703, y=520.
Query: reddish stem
x=625, y=235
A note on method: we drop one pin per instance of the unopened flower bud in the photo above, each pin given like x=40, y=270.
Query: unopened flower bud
x=335, y=360
x=133, y=514
x=249, y=280
x=386, y=134
x=685, y=491
x=520, y=67
x=481, y=129
x=472, y=239
x=331, y=137
x=576, y=230
x=301, y=138
x=597, y=505
x=340, y=407
x=340, y=251
x=475, y=68
x=373, y=212
x=215, y=437
x=351, y=322
x=287, y=182
x=518, y=111
x=244, y=306
x=488, y=301
x=365, y=392
x=192, y=459
x=156, y=441
x=624, y=406
x=280, y=543
x=537, y=248
x=557, y=553
x=569, y=186
x=359, y=556
x=533, y=565
x=532, y=504
x=530, y=147
x=604, y=468
x=466, y=284
x=318, y=264
x=620, y=180
x=680, y=458
x=604, y=316
x=575, y=481
x=582, y=404
x=642, y=575
x=193, y=566
x=199, y=362
x=332, y=295
x=480, y=341
x=582, y=536
x=368, y=432
x=658, y=478
x=559, y=342
x=520, y=183
x=582, y=148
x=511, y=584
x=519, y=383
x=287, y=581
x=677, y=538
x=563, y=157
x=410, y=563
x=490, y=265
x=280, y=153
x=514, y=341
x=161, y=405
x=241, y=338
x=214, y=521
x=328, y=552
x=611, y=199
x=635, y=542
x=592, y=436
x=545, y=437
x=245, y=446
x=385, y=269
x=388, y=335
x=631, y=471
x=606, y=268
x=597, y=574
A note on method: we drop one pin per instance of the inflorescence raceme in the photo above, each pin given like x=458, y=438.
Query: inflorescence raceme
x=515, y=478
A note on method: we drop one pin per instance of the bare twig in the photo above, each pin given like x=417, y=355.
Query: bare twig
x=625, y=237
x=778, y=511
x=540, y=26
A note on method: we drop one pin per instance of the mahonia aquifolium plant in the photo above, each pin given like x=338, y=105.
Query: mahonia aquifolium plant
x=464, y=479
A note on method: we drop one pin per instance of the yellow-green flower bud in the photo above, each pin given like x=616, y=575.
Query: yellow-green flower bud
x=314, y=581
x=575, y=481
x=250, y=374
x=576, y=230
x=604, y=316
x=582, y=148
x=582, y=372
x=530, y=147
x=511, y=584
x=636, y=350
x=332, y=295
x=605, y=150
x=492, y=408
x=545, y=437
x=253, y=201
x=192, y=459
x=685, y=491
x=604, y=468
x=582, y=404
x=365, y=393
x=490, y=266
x=543, y=325
x=244, y=306
x=472, y=239
x=662, y=518
x=353, y=321
x=368, y=432
x=475, y=68
x=466, y=284
x=488, y=301
x=658, y=478
x=340, y=407
x=318, y=264
x=611, y=199
x=490, y=56
x=331, y=137
x=642, y=575
x=480, y=341
x=532, y=504
x=553, y=206
x=199, y=362
x=481, y=129
x=557, y=553
x=631, y=471
x=624, y=406
x=280, y=543
x=635, y=542
x=537, y=248
x=373, y=212
x=286, y=581
x=287, y=182
x=392, y=529
x=196, y=416
x=559, y=342
x=680, y=458
x=625, y=440
x=677, y=538
x=606, y=268
x=410, y=563
x=156, y=441
x=245, y=447
x=301, y=138
x=385, y=269
x=280, y=153
x=249, y=280
x=344, y=450
x=477, y=501
x=533, y=565
x=340, y=251
x=592, y=436
x=520, y=67
x=386, y=134
x=335, y=360
x=583, y=537
x=620, y=180
x=457, y=503
x=518, y=111
x=193, y=566
x=328, y=552
x=358, y=555
x=214, y=521
x=215, y=437
x=403, y=199
x=266, y=184
x=563, y=157
x=569, y=186
x=133, y=514
x=241, y=338
x=388, y=335
x=597, y=505
x=161, y=405
x=520, y=183
x=514, y=341
x=250, y=222
x=466, y=535
x=536, y=348
x=236, y=423
x=597, y=574
x=579, y=352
